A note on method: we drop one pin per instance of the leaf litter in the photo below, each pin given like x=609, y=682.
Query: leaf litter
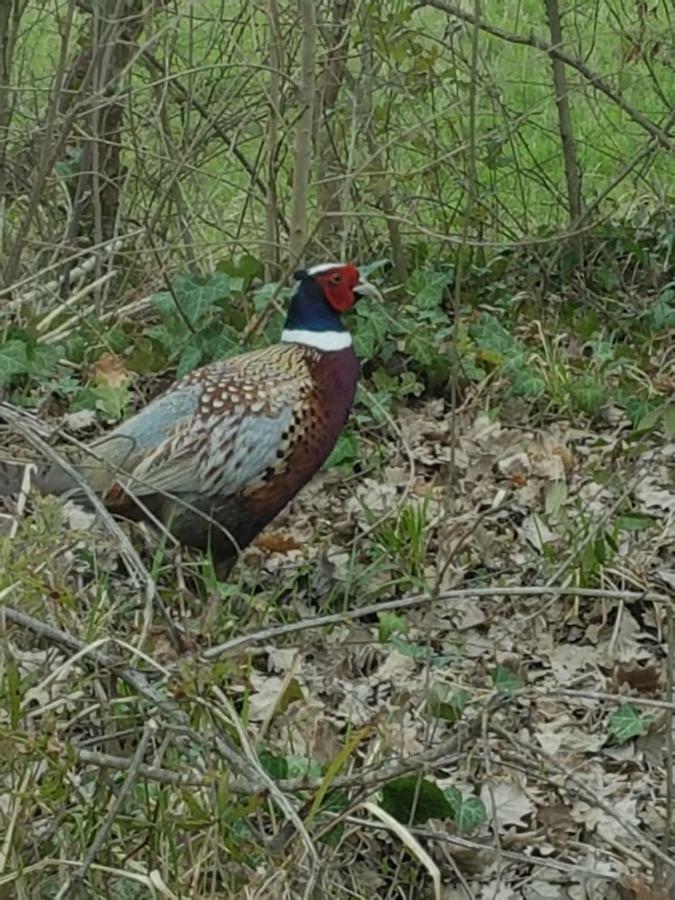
x=499, y=505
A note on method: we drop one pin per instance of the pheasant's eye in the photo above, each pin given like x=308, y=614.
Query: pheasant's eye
x=335, y=279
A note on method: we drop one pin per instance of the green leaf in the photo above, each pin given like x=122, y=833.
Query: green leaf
x=367, y=270
x=371, y=329
x=389, y=624
x=445, y=703
x=649, y=420
x=334, y=802
x=247, y=268
x=13, y=360
x=195, y=297
x=634, y=523
x=428, y=287
x=345, y=450
x=43, y=358
x=69, y=165
x=626, y=722
x=111, y=402
x=419, y=651
x=663, y=312
x=669, y=421
x=117, y=340
x=414, y=800
x=490, y=335
x=469, y=813
x=505, y=680
x=526, y=383
x=303, y=767
x=190, y=358
x=275, y=766
x=588, y=394
x=472, y=370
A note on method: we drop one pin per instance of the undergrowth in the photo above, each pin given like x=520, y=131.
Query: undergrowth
x=413, y=500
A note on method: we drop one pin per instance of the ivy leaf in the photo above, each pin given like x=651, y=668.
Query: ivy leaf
x=194, y=296
x=419, y=651
x=411, y=799
x=367, y=269
x=663, y=311
x=111, y=402
x=526, y=383
x=469, y=813
x=444, y=703
x=427, y=287
x=13, y=360
x=197, y=297
x=490, y=335
x=275, y=766
x=371, y=329
x=626, y=723
x=43, y=359
x=345, y=450
x=504, y=680
x=303, y=767
x=588, y=394
x=389, y=624
x=247, y=268
x=189, y=359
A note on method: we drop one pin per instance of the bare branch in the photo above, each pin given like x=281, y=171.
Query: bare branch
x=592, y=77
x=302, y=154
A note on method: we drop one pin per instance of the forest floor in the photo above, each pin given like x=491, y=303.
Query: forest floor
x=445, y=671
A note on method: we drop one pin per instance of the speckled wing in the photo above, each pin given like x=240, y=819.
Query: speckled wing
x=218, y=430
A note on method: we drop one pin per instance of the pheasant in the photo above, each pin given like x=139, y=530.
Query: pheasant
x=217, y=456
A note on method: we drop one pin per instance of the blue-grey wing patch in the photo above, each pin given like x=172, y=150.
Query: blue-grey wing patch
x=217, y=458
x=126, y=445
x=214, y=433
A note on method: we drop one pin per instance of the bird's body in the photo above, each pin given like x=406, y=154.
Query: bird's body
x=218, y=455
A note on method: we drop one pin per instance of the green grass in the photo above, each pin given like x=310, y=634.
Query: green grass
x=420, y=109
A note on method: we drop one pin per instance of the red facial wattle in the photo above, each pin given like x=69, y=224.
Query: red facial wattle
x=338, y=286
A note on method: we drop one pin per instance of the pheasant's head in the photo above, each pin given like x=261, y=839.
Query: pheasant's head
x=323, y=293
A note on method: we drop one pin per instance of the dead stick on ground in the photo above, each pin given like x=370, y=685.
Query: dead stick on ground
x=267, y=634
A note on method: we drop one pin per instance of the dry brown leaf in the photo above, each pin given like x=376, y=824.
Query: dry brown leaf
x=108, y=371
x=277, y=542
x=506, y=802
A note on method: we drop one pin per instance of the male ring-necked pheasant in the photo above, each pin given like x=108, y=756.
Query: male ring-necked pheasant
x=218, y=455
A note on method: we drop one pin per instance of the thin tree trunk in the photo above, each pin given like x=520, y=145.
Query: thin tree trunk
x=364, y=94
x=112, y=41
x=51, y=143
x=302, y=154
x=329, y=167
x=569, y=150
x=9, y=16
x=270, y=252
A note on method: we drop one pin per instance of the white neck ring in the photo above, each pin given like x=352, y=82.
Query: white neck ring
x=320, y=340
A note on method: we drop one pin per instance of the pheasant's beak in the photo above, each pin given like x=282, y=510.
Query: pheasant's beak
x=366, y=289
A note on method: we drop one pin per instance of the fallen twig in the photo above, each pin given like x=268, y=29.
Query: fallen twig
x=275, y=631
